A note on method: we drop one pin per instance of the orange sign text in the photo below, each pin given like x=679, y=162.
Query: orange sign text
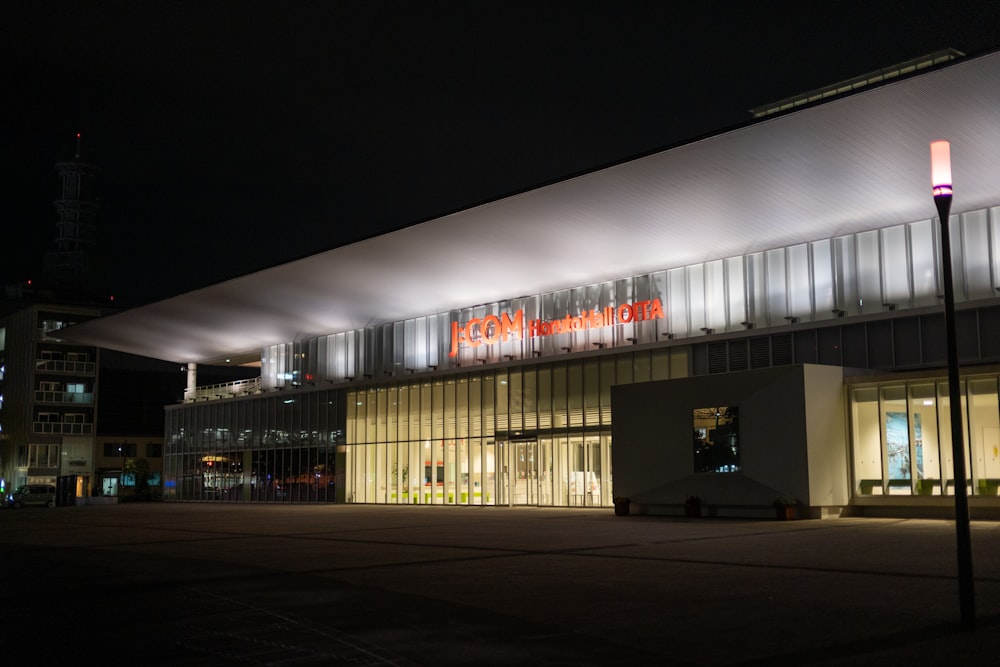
x=501, y=328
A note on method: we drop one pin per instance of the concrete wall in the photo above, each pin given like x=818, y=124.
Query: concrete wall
x=792, y=437
x=829, y=445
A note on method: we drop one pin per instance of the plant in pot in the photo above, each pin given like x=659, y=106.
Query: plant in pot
x=621, y=505
x=784, y=507
x=692, y=506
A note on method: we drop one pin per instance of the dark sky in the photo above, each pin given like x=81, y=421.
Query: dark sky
x=233, y=136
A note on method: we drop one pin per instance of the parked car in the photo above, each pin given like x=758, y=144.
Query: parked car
x=40, y=495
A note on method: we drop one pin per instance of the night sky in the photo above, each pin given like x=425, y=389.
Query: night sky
x=233, y=136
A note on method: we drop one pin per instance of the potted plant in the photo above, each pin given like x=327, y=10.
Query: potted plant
x=692, y=506
x=784, y=508
x=621, y=505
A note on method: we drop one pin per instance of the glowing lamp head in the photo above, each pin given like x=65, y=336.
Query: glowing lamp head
x=941, y=168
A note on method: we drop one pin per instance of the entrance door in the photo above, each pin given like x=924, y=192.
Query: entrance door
x=518, y=481
x=525, y=469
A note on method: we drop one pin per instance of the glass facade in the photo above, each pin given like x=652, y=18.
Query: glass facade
x=264, y=448
x=537, y=434
x=901, y=434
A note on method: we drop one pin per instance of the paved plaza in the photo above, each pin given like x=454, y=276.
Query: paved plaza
x=215, y=584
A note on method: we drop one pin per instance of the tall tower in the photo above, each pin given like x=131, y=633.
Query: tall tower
x=71, y=267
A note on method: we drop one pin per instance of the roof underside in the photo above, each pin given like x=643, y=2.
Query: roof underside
x=851, y=164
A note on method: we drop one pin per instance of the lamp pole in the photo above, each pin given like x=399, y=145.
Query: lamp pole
x=941, y=182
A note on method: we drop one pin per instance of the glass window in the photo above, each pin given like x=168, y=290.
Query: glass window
x=403, y=412
x=607, y=379
x=660, y=364
x=475, y=405
x=574, y=391
x=412, y=411
x=450, y=409
x=425, y=411
x=896, y=438
x=944, y=433
x=502, y=401
x=984, y=436
x=462, y=407
x=544, y=397
x=592, y=391
x=923, y=426
x=679, y=362
x=392, y=413
x=716, y=439
x=559, y=398
x=122, y=449
x=529, y=400
x=515, y=405
x=371, y=412
x=867, y=437
x=381, y=414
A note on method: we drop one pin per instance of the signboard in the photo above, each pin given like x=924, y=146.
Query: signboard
x=494, y=329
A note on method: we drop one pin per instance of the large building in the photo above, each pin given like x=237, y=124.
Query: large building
x=48, y=386
x=753, y=314
x=47, y=399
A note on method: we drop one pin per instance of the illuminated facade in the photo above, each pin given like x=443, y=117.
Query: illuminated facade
x=469, y=407
x=381, y=382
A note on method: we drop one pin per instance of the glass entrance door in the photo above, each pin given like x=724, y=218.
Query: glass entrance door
x=525, y=472
x=519, y=482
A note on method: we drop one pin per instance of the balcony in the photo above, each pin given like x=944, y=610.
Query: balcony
x=61, y=366
x=62, y=428
x=227, y=390
x=79, y=398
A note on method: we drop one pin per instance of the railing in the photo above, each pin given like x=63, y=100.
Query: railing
x=61, y=366
x=227, y=390
x=64, y=397
x=62, y=428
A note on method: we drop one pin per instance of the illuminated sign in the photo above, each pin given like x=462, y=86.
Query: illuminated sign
x=501, y=328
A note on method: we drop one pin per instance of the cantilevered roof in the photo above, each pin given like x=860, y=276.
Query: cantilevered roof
x=851, y=164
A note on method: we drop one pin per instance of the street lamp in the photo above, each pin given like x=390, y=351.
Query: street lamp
x=121, y=475
x=941, y=182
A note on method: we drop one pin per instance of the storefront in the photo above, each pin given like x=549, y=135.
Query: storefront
x=901, y=436
x=528, y=434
